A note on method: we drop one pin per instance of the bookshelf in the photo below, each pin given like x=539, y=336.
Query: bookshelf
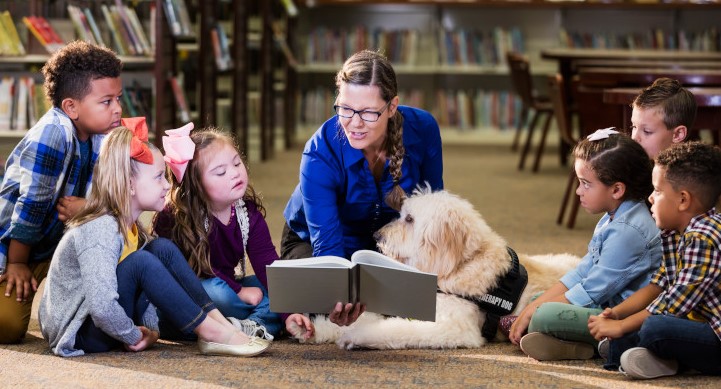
x=542, y=25
x=251, y=87
x=148, y=70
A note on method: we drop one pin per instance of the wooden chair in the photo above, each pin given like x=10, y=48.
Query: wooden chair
x=523, y=85
x=559, y=102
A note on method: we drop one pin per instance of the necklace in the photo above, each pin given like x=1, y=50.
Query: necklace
x=241, y=214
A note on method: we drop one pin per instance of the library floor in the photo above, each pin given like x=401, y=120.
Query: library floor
x=519, y=205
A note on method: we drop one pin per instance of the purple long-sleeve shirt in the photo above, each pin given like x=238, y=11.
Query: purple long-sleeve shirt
x=226, y=244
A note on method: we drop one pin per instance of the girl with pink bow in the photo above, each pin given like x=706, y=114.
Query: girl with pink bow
x=216, y=219
x=108, y=276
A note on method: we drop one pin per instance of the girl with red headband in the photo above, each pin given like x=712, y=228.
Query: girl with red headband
x=108, y=275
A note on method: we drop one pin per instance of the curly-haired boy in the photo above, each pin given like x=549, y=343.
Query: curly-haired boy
x=49, y=172
x=675, y=321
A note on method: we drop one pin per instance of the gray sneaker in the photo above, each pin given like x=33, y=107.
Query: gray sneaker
x=544, y=347
x=603, y=346
x=640, y=363
x=251, y=328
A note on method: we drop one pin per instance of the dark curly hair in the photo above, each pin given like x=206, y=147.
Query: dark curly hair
x=618, y=158
x=695, y=167
x=676, y=102
x=69, y=71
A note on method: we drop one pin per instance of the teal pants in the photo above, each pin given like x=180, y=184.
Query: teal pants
x=564, y=321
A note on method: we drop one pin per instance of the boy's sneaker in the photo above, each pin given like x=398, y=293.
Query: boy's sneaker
x=251, y=328
x=603, y=346
x=544, y=347
x=640, y=363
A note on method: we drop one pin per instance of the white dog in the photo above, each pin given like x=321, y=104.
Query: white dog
x=441, y=233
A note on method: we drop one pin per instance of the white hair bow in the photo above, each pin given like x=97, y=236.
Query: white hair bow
x=602, y=133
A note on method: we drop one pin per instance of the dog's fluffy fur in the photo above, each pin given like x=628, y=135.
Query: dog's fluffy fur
x=441, y=233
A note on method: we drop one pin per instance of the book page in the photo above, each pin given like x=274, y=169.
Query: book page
x=324, y=261
x=397, y=292
x=378, y=259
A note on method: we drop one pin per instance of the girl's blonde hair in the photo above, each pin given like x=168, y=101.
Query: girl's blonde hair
x=110, y=191
x=373, y=69
x=190, y=205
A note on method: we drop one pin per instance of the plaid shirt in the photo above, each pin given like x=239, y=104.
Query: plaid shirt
x=44, y=166
x=691, y=271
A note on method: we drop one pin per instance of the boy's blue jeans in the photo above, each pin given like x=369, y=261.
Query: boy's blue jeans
x=230, y=305
x=693, y=344
x=157, y=274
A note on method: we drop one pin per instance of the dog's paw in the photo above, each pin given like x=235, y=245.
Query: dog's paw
x=346, y=342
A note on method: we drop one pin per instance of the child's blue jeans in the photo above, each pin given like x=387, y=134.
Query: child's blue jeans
x=230, y=305
x=693, y=344
x=157, y=274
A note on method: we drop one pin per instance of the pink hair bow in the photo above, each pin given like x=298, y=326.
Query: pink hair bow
x=179, y=149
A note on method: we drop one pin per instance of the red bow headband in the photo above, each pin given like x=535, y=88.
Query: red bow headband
x=139, y=149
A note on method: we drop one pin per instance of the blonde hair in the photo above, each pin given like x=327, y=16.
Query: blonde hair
x=372, y=68
x=190, y=205
x=110, y=191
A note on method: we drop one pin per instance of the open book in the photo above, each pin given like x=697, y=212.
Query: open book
x=384, y=285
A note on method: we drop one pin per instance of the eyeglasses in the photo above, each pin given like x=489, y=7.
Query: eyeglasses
x=368, y=116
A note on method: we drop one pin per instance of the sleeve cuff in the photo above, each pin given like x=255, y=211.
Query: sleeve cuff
x=576, y=295
x=24, y=234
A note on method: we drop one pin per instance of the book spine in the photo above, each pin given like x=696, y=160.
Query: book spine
x=12, y=32
x=93, y=26
x=354, y=284
x=114, y=33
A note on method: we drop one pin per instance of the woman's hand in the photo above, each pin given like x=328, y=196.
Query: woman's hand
x=346, y=315
x=251, y=295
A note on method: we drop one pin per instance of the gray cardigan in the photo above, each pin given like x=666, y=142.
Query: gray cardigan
x=82, y=282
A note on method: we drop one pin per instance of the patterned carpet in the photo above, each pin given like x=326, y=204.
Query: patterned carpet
x=521, y=206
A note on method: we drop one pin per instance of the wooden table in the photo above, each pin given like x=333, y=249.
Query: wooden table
x=708, y=116
x=624, y=76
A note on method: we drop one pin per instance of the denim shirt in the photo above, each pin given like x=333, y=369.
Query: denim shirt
x=337, y=205
x=622, y=256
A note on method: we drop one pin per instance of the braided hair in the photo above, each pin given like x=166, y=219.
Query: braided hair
x=371, y=68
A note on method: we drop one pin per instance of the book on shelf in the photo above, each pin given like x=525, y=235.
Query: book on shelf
x=221, y=47
x=82, y=25
x=178, y=19
x=10, y=43
x=22, y=102
x=180, y=100
x=44, y=33
x=384, y=285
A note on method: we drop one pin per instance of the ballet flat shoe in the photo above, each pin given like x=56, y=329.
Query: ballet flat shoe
x=254, y=347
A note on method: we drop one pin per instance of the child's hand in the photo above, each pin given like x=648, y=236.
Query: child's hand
x=149, y=338
x=19, y=276
x=251, y=295
x=609, y=314
x=299, y=325
x=520, y=325
x=69, y=206
x=604, y=327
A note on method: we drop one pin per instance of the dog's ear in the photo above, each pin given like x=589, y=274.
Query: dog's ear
x=443, y=242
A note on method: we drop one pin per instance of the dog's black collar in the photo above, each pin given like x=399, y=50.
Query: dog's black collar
x=503, y=299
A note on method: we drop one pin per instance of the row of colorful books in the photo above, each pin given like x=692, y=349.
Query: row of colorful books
x=705, y=40
x=326, y=45
x=478, y=47
x=461, y=109
x=126, y=31
x=22, y=103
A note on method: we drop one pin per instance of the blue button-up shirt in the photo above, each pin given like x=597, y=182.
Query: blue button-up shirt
x=622, y=256
x=44, y=166
x=337, y=205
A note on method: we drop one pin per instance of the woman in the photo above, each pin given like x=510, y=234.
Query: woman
x=359, y=165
